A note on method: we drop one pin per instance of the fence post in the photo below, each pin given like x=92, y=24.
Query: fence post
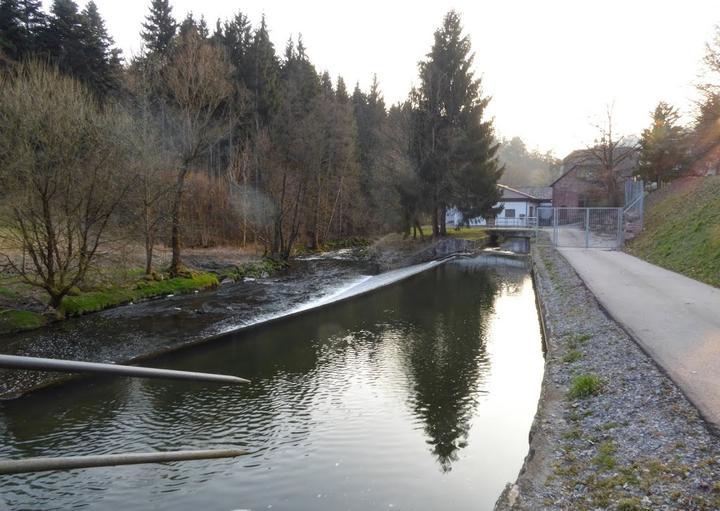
x=587, y=227
x=555, y=227
x=621, y=228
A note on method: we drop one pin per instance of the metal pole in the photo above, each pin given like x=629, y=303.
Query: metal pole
x=110, y=460
x=73, y=366
x=621, y=228
x=555, y=226
x=587, y=228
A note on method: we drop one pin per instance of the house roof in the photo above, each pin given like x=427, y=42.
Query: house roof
x=540, y=192
x=506, y=189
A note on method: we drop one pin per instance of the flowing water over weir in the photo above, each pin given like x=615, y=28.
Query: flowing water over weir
x=419, y=395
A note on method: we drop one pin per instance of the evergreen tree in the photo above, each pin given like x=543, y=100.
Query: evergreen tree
x=453, y=148
x=32, y=20
x=159, y=27
x=101, y=59
x=263, y=76
x=62, y=40
x=662, y=146
x=341, y=92
x=11, y=38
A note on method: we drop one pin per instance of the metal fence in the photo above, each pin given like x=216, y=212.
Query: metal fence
x=581, y=227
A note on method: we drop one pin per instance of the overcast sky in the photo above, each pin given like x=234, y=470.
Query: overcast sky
x=551, y=66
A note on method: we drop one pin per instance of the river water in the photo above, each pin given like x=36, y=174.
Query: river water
x=417, y=396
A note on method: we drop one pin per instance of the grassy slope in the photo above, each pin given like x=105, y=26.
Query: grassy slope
x=682, y=229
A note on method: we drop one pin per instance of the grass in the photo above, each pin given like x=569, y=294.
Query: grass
x=572, y=356
x=584, y=385
x=605, y=458
x=93, y=301
x=16, y=320
x=682, y=229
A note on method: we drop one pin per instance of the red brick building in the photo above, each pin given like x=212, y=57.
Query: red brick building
x=580, y=184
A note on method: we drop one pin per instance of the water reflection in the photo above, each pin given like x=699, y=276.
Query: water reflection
x=418, y=396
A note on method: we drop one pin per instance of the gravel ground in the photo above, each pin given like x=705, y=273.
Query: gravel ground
x=633, y=442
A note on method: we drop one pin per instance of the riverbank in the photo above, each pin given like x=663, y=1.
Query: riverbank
x=612, y=431
x=139, y=331
x=117, y=279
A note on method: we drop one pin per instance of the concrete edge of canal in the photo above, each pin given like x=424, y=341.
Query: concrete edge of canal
x=611, y=431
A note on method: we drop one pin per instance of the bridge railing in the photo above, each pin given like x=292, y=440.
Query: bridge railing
x=529, y=222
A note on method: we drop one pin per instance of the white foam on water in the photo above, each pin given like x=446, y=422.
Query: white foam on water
x=363, y=284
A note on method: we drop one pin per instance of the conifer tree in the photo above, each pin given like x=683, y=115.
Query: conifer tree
x=453, y=148
x=264, y=70
x=662, y=146
x=159, y=27
x=11, y=40
x=101, y=59
x=32, y=20
x=62, y=38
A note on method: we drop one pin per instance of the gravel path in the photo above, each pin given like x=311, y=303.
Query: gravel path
x=633, y=442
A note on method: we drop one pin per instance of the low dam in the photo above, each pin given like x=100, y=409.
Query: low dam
x=418, y=395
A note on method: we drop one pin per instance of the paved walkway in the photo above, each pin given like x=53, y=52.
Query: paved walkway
x=674, y=318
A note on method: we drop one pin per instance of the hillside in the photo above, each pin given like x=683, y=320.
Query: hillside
x=682, y=229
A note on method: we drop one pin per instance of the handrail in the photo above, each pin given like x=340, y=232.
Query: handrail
x=635, y=201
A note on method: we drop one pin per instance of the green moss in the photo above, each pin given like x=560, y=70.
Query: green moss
x=584, y=385
x=16, y=320
x=102, y=299
x=682, y=229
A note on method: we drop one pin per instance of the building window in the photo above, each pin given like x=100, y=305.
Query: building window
x=509, y=213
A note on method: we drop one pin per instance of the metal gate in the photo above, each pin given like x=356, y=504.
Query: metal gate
x=582, y=227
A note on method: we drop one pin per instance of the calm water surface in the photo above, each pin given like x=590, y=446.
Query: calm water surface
x=419, y=396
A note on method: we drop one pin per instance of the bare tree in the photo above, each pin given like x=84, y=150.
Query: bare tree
x=607, y=154
x=197, y=82
x=61, y=158
x=153, y=164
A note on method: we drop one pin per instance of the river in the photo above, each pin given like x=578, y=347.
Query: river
x=417, y=396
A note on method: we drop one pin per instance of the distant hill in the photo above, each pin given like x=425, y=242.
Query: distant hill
x=682, y=229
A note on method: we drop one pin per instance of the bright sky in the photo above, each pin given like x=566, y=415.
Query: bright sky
x=551, y=66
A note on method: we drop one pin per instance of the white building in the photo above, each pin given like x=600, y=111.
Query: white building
x=519, y=209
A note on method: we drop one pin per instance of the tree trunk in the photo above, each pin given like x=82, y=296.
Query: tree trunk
x=435, y=230
x=176, y=263
x=149, y=245
x=443, y=223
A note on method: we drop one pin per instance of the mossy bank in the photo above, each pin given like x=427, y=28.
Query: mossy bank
x=137, y=288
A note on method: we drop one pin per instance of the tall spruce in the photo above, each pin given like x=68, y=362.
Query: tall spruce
x=11, y=37
x=63, y=37
x=20, y=24
x=102, y=61
x=453, y=147
x=263, y=79
x=159, y=28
